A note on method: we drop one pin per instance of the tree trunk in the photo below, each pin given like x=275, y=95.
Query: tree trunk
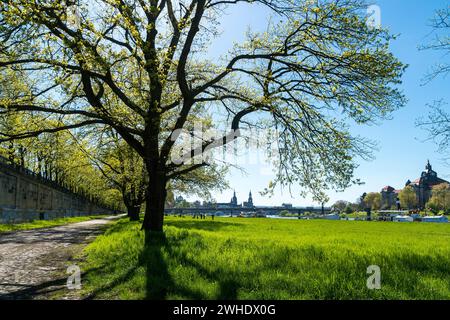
x=133, y=212
x=133, y=205
x=155, y=195
x=155, y=199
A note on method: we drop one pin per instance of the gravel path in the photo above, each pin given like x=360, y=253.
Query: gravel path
x=33, y=263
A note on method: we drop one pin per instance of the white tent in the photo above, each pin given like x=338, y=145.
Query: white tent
x=332, y=216
x=403, y=219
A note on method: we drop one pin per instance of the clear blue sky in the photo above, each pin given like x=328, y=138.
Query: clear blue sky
x=402, y=151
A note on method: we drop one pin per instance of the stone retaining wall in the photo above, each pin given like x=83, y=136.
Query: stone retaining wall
x=26, y=197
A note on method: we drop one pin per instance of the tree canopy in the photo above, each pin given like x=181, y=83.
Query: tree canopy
x=373, y=200
x=440, y=198
x=408, y=197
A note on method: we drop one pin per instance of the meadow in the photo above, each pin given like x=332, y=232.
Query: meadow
x=238, y=258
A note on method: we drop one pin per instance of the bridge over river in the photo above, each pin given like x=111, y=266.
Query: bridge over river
x=230, y=211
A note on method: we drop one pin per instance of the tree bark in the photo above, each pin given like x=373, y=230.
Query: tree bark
x=155, y=200
x=133, y=204
x=133, y=212
x=155, y=196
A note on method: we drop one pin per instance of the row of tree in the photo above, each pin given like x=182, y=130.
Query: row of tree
x=439, y=201
x=58, y=158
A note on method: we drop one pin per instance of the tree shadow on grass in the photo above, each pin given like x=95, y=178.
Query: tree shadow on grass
x=159, y=282
x=126, y=276
x=404, y=273
x=229, y=283
x=157, y=252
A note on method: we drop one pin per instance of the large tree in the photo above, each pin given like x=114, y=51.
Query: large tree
x=373, y=200
x=440, y=198
x=340, y=205
x=408, y=197
x=317, y=67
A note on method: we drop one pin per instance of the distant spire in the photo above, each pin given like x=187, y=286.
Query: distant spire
x=234, y=199
x=428, y=166
x=250, y=199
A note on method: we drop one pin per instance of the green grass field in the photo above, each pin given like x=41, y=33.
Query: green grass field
x=37, y=224
x=232, y=258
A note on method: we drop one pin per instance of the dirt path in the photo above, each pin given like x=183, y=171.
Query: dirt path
x=33, y=263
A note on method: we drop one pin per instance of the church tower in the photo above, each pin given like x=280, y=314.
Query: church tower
x=234, y=199
x=250, y=199
x=249, y=203
x=428, y=166
x=429, y=174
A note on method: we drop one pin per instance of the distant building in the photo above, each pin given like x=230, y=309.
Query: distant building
x=422, y=186
x=287, y=205
x=389, y=197
x=232, y=204
x=249, y=203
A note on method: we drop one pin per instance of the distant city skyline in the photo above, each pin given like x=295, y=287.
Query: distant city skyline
x=403, y=148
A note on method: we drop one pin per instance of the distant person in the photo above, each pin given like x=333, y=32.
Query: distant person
x=212, y=216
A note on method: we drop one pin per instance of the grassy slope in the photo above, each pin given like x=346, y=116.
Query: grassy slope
x=269, y=259
x=36, y=224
